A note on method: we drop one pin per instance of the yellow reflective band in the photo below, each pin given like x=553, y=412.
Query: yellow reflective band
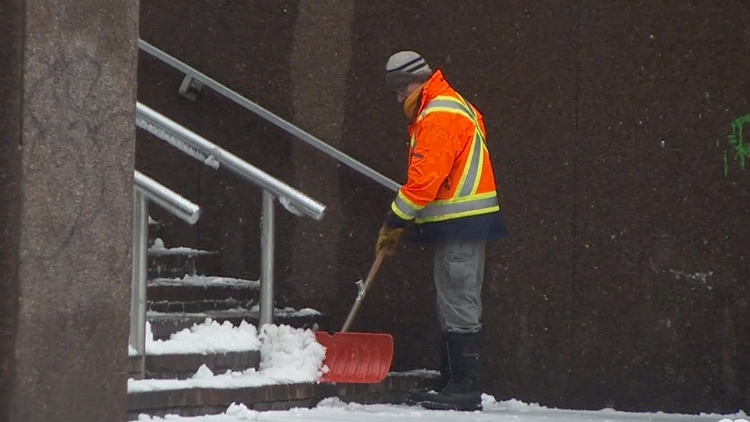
x=470, y=177
x=485, y=195
x=452, y=105
x=480, y=168
x=404, y=208
x=465, y=202
x=447, y=106
x=472, y=171
x=441, y=211
x=453, y=216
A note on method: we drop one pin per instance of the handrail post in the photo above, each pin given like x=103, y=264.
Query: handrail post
x=138, y=293
x=265, y=312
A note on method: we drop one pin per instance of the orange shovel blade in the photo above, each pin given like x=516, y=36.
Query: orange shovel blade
x=356, y=357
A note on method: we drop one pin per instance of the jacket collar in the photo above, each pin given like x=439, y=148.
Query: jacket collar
x=434, y=86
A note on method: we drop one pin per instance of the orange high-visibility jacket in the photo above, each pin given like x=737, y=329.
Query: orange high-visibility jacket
x=450, y=176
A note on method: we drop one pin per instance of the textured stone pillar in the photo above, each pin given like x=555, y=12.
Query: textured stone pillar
x=67, y=140
x=319, y=66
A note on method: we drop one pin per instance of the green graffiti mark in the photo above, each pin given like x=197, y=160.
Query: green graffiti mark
x=737, y=143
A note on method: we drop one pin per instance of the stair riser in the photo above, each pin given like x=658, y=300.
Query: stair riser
x=199, y=306
x=182, y=293
x=184, y=366
x=195, y=402
x=178, y=265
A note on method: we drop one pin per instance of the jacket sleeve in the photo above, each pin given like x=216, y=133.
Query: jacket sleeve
x=431, y=161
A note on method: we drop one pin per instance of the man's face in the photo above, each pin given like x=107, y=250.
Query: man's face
x=401, y=94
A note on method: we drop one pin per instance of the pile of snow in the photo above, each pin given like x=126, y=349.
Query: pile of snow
x=206, y=338
x=288, y=355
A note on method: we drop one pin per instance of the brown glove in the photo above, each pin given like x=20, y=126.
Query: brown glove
x=387, y=240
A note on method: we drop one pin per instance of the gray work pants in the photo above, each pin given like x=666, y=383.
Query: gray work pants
x=459, y=273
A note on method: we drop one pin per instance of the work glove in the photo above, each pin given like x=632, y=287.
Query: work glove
x=388, y=239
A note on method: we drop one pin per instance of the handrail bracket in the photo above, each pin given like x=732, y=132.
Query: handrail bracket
x=190, y=87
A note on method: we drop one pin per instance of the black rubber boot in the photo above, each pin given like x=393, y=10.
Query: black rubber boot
x=445, y=375
x=463, y=392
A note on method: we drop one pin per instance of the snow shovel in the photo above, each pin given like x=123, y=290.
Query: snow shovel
x=363, y=358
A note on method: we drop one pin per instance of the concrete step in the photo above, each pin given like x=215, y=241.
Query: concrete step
x=207, y=401
x=194, y=294
x=183, y=366
x=163, y=325
x=176, y=262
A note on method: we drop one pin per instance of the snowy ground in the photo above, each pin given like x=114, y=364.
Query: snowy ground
x=291, y=355
x=334, y=410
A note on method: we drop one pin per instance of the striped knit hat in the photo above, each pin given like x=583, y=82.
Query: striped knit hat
x=404, y=68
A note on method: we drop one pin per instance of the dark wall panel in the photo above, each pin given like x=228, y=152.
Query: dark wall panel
x=490, y=54
x=244, y=46
x=621, y=281
x=486, y=52
x=660, y=256
x=12, y=21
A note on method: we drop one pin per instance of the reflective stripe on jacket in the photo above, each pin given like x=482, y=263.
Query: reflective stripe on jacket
x=450, y=175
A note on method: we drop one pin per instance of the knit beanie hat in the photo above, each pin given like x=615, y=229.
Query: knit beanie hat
x=404, y=68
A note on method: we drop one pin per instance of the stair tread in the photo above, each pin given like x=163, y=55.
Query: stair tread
x=191, y=281
x=158, y=248
x=232, y=313
x=180, y=251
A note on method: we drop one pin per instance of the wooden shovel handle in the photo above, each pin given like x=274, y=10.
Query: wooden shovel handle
x=370, y=277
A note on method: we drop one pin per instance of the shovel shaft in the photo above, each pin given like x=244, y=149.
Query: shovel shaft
x=370, y=277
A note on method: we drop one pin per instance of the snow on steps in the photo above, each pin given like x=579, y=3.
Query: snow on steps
x=166, y=262
x=284, y=377
x=163, y=325
x=206, y=401
x=178, y=297
x=195, y=293
x=180, y=372
x=220, y=347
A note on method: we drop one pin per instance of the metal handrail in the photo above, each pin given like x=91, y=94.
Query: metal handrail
x=146, y=189
x=214, y=156
x=166, y=198
x=269, y=116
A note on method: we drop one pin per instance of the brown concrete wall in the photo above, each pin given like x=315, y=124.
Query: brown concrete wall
x=598, y=296
x=66, y=181
x=661, y=233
